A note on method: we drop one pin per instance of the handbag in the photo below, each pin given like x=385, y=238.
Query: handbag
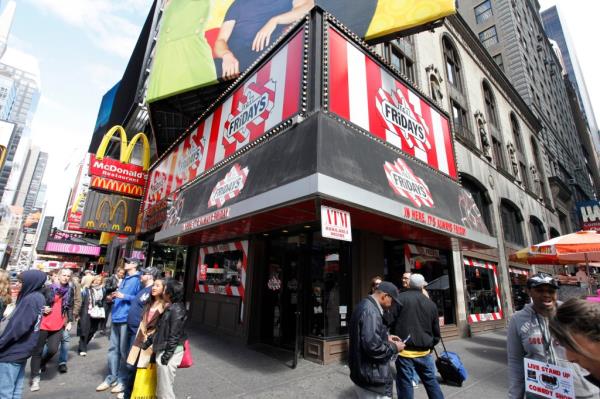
x=97, y=313
x=144, y=386
x=186, y=360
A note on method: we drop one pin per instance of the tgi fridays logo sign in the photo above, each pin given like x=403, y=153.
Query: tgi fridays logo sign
x=230, y=187
x=406, y=184
x=401, y=120
x=253, y=109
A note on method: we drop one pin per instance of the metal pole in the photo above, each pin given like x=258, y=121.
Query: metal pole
x=296, y=341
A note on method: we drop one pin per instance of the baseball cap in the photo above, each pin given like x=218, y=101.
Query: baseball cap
x=152, y=271
x=540, y=279
x=417, y=281
x=390, y=289
x=133, y=260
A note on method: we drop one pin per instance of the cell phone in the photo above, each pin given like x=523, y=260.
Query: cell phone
x=406, y=339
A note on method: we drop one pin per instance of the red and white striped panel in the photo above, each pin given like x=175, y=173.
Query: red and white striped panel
x=367, y=95
x=474, y=318
x=214, y=139
x=521, y=272
x=225, y=289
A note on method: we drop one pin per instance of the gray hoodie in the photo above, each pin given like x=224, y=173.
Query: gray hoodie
x=525, y=340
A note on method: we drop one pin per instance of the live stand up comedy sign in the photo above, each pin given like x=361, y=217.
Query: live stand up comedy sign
x=548, y=381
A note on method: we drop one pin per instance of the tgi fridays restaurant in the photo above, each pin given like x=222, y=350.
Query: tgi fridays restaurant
x=316, y=171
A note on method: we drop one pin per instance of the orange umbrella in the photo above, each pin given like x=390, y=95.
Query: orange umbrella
x=524, y=255
x=579, y=247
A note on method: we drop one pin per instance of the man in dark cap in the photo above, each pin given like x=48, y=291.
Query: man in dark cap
x=529, y=337
x=417, y=323
x=119, y=341
x=371, y=348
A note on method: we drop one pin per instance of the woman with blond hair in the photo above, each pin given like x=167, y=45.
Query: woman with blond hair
x=5, y=292
x=92, y=311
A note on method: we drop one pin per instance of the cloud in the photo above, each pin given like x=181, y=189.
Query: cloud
x=102, y=77
x=104, y=21
x=22, y=60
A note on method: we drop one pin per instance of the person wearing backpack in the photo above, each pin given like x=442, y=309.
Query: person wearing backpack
x=417, y=324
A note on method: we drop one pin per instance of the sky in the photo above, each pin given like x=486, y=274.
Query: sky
x=82, y=48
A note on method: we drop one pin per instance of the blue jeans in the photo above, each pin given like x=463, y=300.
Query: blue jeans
x=117, y=353
x=129, y=371
x=63, y=354
x=11, y=383
x=425, y=368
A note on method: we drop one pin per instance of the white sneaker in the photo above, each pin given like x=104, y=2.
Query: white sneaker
x=121, y=395
x=35, y=384
x=82, y=353
x=415, y=384
x=103, y=387
x=118, y=388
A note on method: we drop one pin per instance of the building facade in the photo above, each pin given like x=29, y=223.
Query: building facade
x=513, y=34
x=556, y=30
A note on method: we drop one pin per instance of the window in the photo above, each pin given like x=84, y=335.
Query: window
x=459, y=119
x=498, y=153
x=490, y=105
x=516, y=130
x=401, y=62
x=489, y=37
x=524, y=175
x=483, y=299
x=498, y=60
x=453, y=68
x=511, y=224
x=538, y=232
x=483, y=11
x=481, y=198
x=518, y=283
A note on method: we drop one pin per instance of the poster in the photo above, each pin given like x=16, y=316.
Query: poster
x=202, y=42
x=548, y=381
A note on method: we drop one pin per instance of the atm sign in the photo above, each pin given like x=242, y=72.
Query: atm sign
x=335, y=224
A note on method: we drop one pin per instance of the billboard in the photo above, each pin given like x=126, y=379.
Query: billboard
x=110, y=213
x=201, y=42
x=78, y=195
x=589, y=214
x=32, y=220
x=69, y=248
x=270, y=96
x=369, y=96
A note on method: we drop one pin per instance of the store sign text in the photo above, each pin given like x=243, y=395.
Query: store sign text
x=433, y=221
x=209, y=218
x=335, y=224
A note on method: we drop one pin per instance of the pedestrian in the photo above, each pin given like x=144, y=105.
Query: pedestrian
x=91, y=312
x=375, y=281
x=395, y=310
x=529, y=337
x=5, y=292
x=134, y=317
x=168, y=340
x=110, y=284
x=21, y=331
x=63, y=353
x=371, y=347
x=576, y=325
x=417, y=324
x=56, y=318
x=119, y=341
x=141, y=349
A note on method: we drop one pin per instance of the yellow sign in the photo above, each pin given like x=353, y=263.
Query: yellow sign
x=126, y=149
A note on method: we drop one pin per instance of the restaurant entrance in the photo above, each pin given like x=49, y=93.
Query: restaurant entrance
x=281, y=285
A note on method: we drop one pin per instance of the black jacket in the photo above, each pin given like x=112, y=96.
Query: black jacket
x=169, y=332
x=369, y=350
x=418, y=317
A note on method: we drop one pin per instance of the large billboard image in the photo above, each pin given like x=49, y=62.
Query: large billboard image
x=372, y=98
x=110, y=213
x=202, y=42
x=269, y=97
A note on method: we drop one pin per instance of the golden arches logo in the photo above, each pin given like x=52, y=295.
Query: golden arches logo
x=3, y=152
x=126, y=148
x=110, y=223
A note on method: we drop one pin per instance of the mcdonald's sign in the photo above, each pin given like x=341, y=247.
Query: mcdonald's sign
x=121, y=169
x=3, y=152
x=110, y=213
x=121, y=187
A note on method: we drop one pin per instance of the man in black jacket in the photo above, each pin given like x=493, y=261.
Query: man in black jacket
x=417, y=323
x=371, y=348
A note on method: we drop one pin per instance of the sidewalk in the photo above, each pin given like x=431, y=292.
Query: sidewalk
x=224, y=368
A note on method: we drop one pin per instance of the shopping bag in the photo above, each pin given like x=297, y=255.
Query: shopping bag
x=144, y=386
x=187, y=360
